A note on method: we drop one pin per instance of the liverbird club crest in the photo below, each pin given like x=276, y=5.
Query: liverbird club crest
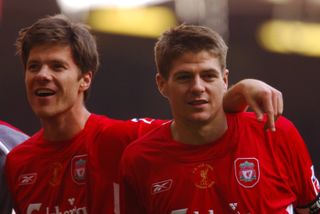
x=79, y=168
x=203, y=176
x=247, y=171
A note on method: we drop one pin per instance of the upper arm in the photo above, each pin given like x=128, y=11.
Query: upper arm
x=298, y=167
x=131, y=201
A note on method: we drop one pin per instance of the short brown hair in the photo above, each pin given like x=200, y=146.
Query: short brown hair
x=58, y=29
x=187, y=38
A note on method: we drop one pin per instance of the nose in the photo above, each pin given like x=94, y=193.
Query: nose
x=197, y=85
x=43, y=74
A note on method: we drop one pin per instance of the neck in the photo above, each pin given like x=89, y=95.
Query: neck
x=198, y=134
x=65, y=126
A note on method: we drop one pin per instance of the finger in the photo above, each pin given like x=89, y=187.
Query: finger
x=269, y=109
x=270, y=124
x=280, y=104
x=257, y=110
x=275, y=104
x=279, y=107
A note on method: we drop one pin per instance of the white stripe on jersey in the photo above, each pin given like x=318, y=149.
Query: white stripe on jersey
x=116, y=195
x=290, y=209
x=4, y=148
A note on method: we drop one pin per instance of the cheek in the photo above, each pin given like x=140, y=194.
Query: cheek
x=223, y=86
x=174, y=96
x=219, y=90
x=71, y=83
x=27, y=82
x=26, y=78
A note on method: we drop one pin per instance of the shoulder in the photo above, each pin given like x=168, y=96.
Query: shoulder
x=110, y=134
x=96, y=120
x=245, y=122
x=150, y=143
x=105, y=127
x=128, y=130
x=2, y=123
x=287, y=133
x=104, y=122
x=25, y=147
x=243, y=118
x=10, y=136
x=284, y=124
x=249, y=118
x=11, y=132
x=21, y=155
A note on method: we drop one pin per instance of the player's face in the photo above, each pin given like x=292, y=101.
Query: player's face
x=54, y=83
x=195, y=87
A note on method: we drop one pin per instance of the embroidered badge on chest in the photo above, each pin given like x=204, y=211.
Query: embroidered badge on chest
x=203, y=176
x=247, y=171
x=79, y=168
x=56, y=174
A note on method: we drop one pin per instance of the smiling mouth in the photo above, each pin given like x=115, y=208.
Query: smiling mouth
x=44, y=92
x=198, y=102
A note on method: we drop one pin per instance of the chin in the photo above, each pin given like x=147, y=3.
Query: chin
x=43, y=113
x=202, y=119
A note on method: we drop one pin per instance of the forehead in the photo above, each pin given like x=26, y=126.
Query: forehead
x=50, y=52
x=189, y=61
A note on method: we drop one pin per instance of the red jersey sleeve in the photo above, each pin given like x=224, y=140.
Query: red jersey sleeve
x=107, y=149
x=298, y=166
x=129, y=194
x=144, y=125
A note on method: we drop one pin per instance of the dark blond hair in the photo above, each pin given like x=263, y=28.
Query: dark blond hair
x=187, y=38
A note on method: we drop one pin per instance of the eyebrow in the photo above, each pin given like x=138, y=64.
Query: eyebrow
x=210, y=70
x=33, y=61
x=50, y=61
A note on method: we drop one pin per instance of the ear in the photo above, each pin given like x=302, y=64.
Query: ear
x=85, y=81
x=226, y=77
x=161, y=83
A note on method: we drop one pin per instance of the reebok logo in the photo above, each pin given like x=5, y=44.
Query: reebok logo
x=161, y=186
x=27, y=179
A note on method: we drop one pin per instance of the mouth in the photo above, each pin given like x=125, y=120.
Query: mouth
x=197, y=102
x=44, y=92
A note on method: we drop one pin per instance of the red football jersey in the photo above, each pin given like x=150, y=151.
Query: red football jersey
x=247, y=170
x=75, y=176
x=10, y=137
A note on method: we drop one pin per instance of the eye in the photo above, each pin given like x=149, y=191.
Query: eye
x=58, y=67
x=209, y=76
x=183, y=77
x=33, y=67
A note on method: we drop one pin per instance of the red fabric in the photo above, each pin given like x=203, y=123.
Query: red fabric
x=248, y=170
x=75, y=176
